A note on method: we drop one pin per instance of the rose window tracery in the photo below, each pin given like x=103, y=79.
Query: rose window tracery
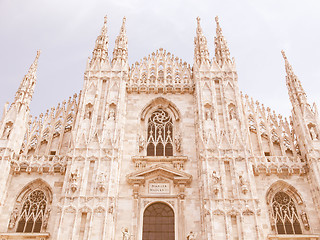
x=160, y=134
x=285, y=214
x=33, y=212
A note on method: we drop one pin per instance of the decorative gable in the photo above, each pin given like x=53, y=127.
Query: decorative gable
x=159, y=173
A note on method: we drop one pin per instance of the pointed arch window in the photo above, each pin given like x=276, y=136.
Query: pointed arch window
x=160, y=134
x=285, y=214
x=32, y=214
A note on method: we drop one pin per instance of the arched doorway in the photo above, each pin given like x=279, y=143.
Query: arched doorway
x=158, y=222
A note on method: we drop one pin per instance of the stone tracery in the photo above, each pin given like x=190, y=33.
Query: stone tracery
x=33, y=212
x=285, y=214
x=160, y=134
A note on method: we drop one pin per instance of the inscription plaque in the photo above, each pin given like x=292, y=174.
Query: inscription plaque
x=159, y=188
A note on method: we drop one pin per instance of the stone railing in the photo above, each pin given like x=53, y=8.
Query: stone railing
x=293, y=236
x=143, y=161
x=186, y=86
x=40, y=164
x=30, y=236
x=278, y=165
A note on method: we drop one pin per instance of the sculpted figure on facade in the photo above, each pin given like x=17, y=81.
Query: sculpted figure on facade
x=232, y=112
x=141, y=143
x=305, y=220
x=215, y=177
x=215, y=181
x=112, y=114
x=313, y=133
x=7, y=131
x=177, y=142
x=13, y=218
x=243, y=183
x=208, y=113
x=125, y=234
x=88, y=111
x=74, y=177
x=101, y=182
x=191, y=236
x=46, y=218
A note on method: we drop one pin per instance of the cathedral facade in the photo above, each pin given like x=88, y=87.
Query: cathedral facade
x=160, y=150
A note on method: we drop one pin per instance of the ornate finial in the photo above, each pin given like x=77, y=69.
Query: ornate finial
x=284, y=55
x=38, y=54
x=35, y=63
x=199, y=29
x=104, y=27
x=201, y=53
x=198, y=20
x=123, y=27
x=217, y=20
x=289, y=69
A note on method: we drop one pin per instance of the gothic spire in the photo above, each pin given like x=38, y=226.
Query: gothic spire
x=295, y=89
x=120, y=52
x=222, y=51
x=201, y=53
x=100, y=52
x=26, y=88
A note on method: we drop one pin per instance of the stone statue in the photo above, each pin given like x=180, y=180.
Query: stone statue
x=101, y=182
x=112, y=114
x=243, y=184
x=232, y=113
x=13, y=218
x=305, y=221
x=46, y=218
x=177, y=142
x=74, y=180
x=125, y=234
x=6, y=132
x=208, y=114
x=242, y=181
x=216, y=178
x=88, y=111
x=313, y=133
x=191, y=236
x=141, y=143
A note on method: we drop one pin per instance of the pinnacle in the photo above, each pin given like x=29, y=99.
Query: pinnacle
x=100, y=51
x=284, y=55
x=222, y=51
x=295, y=89
x=201, y=53
x=217, y=21
x=198, y=22
x=25, y=91
x=104, y=28
x=34, y=65
x=120, y=52
x=288, y=66
x=123, y=27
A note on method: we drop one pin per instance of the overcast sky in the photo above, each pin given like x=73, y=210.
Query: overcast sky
x=66, y=31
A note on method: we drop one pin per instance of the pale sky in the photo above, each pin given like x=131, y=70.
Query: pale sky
x=65, y=32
